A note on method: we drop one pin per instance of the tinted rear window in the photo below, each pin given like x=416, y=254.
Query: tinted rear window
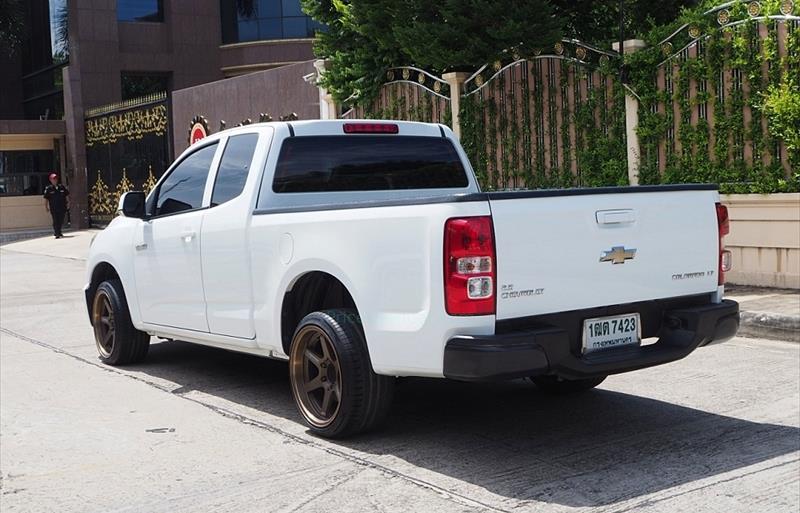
x=367, y=163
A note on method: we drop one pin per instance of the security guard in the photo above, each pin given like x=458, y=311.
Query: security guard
x=57, y=203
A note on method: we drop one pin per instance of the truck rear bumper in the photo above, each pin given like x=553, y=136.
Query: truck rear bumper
x=555, y=350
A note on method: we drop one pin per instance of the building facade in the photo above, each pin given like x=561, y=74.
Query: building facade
x=81, y=54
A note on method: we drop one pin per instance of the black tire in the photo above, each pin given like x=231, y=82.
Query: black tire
x=125, y=344
x=555, y=385
x=362, y=398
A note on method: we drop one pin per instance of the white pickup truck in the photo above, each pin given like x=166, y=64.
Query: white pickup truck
x=360, y=251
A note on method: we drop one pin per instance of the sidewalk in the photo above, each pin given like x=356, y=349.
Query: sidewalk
x=766, y=313
x=74, y=245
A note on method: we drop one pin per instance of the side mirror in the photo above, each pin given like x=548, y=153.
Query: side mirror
x=131, y=204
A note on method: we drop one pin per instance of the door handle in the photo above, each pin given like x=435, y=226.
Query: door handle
x=188, y=236
x=140, y=247
x=615, y=217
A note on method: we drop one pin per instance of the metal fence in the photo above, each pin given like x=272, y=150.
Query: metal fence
x=531, y=122
x=711, y=90
x=409, y=94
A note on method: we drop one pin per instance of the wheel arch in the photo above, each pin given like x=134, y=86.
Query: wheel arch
x=308, y=292
x=104, y=269
x=101, y=272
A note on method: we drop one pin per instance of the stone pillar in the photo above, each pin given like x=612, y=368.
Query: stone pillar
x=75, y=148
x=632, y=116
x=455, y=79
x=327, y=106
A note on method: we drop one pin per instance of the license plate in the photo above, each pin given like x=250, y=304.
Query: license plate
x=603, y=333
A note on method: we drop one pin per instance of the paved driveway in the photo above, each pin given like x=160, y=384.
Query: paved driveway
x=200, y=429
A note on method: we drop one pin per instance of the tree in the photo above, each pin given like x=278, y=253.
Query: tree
x=358, y=60
x=12, y=24
x=365, y=37
x=597, y=23
x=465, y=34
x=61, y=43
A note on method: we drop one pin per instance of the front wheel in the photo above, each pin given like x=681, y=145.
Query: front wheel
x=333, y=384
x=118, y=341
x=556, y=385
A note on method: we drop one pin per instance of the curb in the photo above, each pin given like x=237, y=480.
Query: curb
x=769, y=325
x=9, y=237
x=20, y=235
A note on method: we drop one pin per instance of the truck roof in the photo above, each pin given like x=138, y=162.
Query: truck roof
x=335, y=127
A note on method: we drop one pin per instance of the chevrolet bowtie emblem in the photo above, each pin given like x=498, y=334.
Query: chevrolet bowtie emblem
x=618, y=255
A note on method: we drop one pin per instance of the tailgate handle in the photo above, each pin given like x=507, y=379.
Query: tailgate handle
x=615, y=217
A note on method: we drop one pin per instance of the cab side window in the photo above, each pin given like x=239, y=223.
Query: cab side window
x=233, y=168
x=183, y=188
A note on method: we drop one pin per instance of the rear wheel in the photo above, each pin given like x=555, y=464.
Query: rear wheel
x=556, y=385
x=118, y=342
x=333, y=384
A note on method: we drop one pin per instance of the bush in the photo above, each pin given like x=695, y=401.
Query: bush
x=782, y=107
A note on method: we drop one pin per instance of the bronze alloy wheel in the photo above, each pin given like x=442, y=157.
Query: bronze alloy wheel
x=103, y=320
x=316, y=378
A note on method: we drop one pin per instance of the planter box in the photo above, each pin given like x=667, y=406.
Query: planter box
x=764, y=239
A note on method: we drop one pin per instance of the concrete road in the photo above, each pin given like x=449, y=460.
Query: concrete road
x=198, y=429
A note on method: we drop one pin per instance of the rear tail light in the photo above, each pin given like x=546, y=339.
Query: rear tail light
x=370, y=128
x=469, y=266
x=724, y=226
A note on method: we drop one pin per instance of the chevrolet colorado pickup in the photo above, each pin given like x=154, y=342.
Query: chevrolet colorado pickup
x=361, y=251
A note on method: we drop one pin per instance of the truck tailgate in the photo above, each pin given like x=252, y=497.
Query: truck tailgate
x=585, y=249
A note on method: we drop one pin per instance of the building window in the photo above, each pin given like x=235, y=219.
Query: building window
x=24, y=173
x=140, y=10
x=135, y=85
x=50, y=106
x=47, y=41
x=45, y=51
x=256, y=20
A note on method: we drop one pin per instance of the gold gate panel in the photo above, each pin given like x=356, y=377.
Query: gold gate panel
x=131, y=125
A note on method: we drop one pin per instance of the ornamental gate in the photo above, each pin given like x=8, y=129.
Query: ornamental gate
x=127, y=148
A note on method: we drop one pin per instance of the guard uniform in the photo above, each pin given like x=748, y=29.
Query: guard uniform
x=56, y=196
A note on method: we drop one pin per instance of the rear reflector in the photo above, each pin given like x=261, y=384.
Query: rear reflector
x=725, y=263
x=469, y=266
x=724, y=227
x=370, y=128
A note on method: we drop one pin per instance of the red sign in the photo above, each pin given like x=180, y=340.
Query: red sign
x=198, y=129
x=198, y=132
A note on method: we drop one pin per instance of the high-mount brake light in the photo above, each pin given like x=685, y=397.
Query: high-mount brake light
x=724, y=227
x=469, y=266
x=370, y=128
